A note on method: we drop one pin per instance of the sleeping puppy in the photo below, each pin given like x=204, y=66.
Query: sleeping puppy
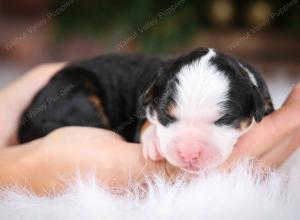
x=189, y=110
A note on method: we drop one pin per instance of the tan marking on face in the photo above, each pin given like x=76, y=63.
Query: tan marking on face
x=145, y=126
x=96, y=102
x=268, y=105
x=245, y=124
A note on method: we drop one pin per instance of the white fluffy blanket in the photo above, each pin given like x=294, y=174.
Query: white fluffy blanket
x=238, y=195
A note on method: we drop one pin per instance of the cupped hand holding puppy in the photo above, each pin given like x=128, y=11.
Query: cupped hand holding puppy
x=51, y=162
x=274, y=139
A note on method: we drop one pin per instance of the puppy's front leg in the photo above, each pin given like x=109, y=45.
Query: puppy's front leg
x=150, y=143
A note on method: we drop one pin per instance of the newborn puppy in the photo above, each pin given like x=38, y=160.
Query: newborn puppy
x=198, y=106
x=189, y=110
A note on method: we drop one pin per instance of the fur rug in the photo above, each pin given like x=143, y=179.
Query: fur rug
x=238, y=195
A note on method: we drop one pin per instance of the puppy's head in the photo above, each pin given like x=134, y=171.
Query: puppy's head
x=199, y=105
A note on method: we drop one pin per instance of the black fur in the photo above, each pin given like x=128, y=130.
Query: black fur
x=118, y=81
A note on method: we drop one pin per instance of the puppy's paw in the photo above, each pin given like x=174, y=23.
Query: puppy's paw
x=150, y=144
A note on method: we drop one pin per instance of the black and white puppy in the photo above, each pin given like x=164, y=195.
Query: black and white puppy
x=189, y=110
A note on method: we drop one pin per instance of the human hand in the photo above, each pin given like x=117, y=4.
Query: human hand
x=274, y=139
x=51, y=163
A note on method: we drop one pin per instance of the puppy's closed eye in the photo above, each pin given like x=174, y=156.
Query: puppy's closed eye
x=227, y=119
x=165, y=118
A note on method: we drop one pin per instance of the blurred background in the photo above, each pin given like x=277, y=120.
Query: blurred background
x=264, y=33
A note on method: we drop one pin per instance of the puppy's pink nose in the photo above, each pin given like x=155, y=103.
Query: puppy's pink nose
x=189, y=156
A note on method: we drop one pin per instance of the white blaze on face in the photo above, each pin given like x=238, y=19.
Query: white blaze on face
x=201, y=89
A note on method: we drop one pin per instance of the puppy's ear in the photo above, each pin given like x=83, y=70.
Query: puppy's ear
x=258, y=109
x=145, y=100
x=148, y=95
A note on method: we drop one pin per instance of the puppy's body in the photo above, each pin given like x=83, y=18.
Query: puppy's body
x=195, y=106
x=102, y=92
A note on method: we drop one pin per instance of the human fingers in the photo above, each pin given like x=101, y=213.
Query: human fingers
x=273, y=129
x=278, y=154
